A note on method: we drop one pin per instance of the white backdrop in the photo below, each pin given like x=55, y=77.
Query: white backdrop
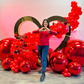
x=12, y=10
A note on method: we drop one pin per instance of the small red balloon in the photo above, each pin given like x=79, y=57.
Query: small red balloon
x=65, y=74
x=16, y=71
x=13, y=68
x=66, y=70
x=68, y=74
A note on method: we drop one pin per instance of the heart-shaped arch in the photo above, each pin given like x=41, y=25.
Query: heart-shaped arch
x=29, y=18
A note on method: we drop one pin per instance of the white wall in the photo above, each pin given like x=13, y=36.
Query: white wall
x=12, y=10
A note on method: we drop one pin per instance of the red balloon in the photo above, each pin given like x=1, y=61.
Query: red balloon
x=58, y=62
x=66, y=70
x=65, y=74
x=20, y=59
x=74, y=49
x=6, y=63
x=75, y=68
x=68, y=74
x=5, y=46
x=80, y=13
x=60, y=28
x=13, y=68
x=25, y=66
x=16, y=71
x=65, y=29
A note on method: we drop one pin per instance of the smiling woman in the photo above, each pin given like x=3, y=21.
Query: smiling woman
x=43, y=45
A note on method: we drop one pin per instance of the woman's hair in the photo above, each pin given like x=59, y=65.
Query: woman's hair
x=47, y=22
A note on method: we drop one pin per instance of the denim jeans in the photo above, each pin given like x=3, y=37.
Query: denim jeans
x=43, y=52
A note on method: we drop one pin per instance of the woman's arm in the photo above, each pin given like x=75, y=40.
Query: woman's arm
x=38, y=30
x=35, y=31
x=53, y=32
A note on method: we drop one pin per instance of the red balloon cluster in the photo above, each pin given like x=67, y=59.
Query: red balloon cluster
x=72, y=18
x=14, y=65
x=58, y=61
x=74, y=15
x=22, y=49
x=19, y=50
x=66, y=73
x=74, y=50
x=20, y=57
x=61, y=28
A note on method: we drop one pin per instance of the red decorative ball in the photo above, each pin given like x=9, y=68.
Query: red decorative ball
x=74, y=49
x=6, y=63
x=58, y=61
x=13, y=68
x=75, y=68
x=25, y=66
x=65, y=74
x=5, y=45
x=68, y=74
x=66, y=70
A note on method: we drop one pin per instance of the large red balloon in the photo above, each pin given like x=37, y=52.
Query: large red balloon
x=75, y=68
x=25, y=66
x=6, y=63
x=5, y=45
x=74, y=49
x=58, y=61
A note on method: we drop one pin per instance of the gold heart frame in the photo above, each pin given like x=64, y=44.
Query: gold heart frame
x=52, y=18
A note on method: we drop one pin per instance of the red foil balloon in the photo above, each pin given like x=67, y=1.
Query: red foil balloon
x=25, y=66
x=74, y=49
x=75, y=68
x=6, y=63
x=5, y=45
x=58, y=61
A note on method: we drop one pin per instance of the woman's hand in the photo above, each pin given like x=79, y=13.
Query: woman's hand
x=47, y=29
x=41, y=29
x=44, y=28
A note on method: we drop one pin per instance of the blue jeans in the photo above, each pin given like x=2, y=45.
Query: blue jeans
x=43, y=52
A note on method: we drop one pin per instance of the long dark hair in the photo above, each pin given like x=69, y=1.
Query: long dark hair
x=47, y=22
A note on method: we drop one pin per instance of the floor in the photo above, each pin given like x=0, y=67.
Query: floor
x=9, y=77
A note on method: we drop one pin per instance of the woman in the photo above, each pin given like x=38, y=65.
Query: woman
x=43, y=45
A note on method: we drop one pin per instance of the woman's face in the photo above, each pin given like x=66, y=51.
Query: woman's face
x=45, y=23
